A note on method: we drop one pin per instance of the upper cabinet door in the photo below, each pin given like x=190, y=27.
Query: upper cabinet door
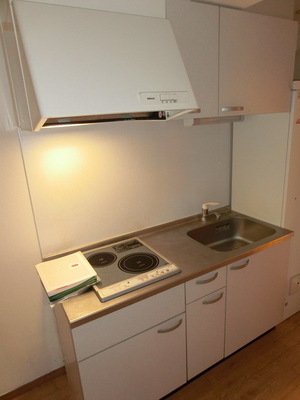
x=196, y=28
x=256, y=63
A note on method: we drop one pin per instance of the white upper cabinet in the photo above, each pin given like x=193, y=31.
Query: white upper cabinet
x=256, y=62
x=195, y=26
x=239, y=63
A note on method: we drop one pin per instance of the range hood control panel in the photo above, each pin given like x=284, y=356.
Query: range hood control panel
x=163, y=97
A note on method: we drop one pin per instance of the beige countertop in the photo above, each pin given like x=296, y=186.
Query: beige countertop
x=172, y=242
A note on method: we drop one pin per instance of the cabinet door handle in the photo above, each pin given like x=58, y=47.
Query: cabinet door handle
x=201, y=282
x=213, y=300
x=235, y=108
x=170, y=329
x=236, y=267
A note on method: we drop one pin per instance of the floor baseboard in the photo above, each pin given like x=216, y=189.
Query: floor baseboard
x=31, y=385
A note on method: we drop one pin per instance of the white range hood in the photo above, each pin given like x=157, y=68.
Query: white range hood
x=231, y=3
x=83, y=66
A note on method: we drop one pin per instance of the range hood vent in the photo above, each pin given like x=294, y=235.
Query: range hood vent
x=94, y=119
x=82, y=66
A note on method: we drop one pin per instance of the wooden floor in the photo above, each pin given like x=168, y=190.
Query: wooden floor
x=267, y=369
x=55, y=389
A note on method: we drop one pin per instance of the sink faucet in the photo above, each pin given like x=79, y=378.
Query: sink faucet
x=205, y=210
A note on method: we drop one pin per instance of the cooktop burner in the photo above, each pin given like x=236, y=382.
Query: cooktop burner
x=138, y=262
x=126, y=266
x=102, y=259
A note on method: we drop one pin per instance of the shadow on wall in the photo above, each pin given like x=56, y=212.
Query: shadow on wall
x=297, y=59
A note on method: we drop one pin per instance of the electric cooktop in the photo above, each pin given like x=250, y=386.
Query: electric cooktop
x=126, y=266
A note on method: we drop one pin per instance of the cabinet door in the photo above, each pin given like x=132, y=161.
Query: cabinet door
x=255, y=295
x=205, y=332
x=145, y=367
x=256, y=62
x=196, y=28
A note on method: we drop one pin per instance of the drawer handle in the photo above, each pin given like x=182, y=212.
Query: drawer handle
x=170, y=329
x=236, y=267
x=236, y=108
x=213, y=300
x=207, y=280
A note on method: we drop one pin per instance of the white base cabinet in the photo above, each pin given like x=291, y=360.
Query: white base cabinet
x=135, y=353
x=205, y=332
x=205, y=321
x=145, y=367
x=255, y=295
x=148, y=349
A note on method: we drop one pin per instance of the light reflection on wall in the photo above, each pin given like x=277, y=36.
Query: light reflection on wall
x=65, y=171
x=61, y=161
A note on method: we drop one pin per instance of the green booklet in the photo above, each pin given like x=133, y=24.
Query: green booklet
x=74, y=289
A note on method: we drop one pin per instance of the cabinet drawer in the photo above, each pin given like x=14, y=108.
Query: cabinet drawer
x=205, y=284
x=113, y=328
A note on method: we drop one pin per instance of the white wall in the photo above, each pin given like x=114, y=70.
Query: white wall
x=29, y=345
x=258, y=175
x=89, y=184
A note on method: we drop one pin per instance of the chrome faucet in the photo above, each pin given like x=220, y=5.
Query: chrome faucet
x=205, y=210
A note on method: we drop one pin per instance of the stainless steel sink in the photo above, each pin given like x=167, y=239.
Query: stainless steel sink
x=230, y=234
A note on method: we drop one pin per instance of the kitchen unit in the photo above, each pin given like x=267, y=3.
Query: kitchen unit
x=23, y=359
x=179, y=326
x=234, y=73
